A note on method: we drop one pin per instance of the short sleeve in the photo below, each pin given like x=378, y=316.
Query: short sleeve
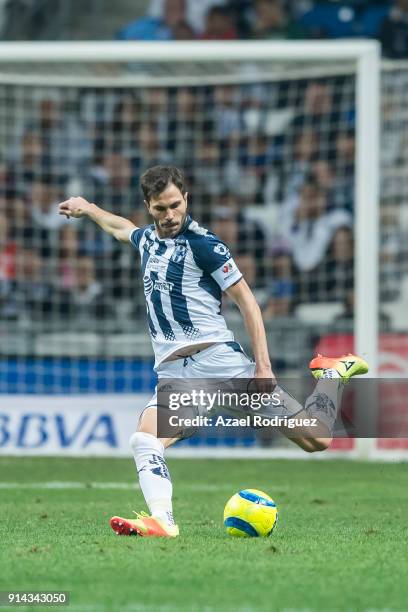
x=213, y=256
x=135, y=236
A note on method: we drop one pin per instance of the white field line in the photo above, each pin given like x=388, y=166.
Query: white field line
x=62, y=484
x=127, y=486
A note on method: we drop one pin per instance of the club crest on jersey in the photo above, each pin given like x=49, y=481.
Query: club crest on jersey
x=149, y=245
x=221, y=249
x=179, y=253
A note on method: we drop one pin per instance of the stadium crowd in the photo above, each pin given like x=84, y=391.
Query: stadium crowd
x=274, y=19
x=269, y=168
x=273, y=180
x=386, y=20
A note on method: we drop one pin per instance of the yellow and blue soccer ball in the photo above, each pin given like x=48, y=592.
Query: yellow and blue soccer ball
x=250, y=514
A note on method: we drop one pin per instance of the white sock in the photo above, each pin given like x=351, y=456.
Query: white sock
x=325, y=400
x=154, y=475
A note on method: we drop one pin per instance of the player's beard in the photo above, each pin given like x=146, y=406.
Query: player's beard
x=170, y=232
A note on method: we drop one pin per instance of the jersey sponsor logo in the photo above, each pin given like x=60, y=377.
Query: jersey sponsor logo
x=155, y=265
x=221, y=249
x=229, y=268
x=163, y=286
x=149, y=285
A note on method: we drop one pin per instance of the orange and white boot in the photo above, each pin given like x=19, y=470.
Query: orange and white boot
x=143, y=525
x=338, y=367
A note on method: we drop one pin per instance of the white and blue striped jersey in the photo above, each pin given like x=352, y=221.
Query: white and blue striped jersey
x=183, y=279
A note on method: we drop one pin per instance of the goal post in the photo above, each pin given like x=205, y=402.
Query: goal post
x=367, y=57
x=99, y=65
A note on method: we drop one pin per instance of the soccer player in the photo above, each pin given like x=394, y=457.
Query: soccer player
x=185, y=270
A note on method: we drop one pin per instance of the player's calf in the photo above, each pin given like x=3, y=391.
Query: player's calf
x=324, y=402
x=156, y=486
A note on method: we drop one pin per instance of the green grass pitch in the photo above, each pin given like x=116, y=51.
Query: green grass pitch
x=340, y=543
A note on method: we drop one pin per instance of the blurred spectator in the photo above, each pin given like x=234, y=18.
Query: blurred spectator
x=330, y=19
x=157, y=28
x=339, y=264
x=189, y=121
x=30, y=161
x=8, y=250
x=45, y=221
x=126, y=122
x=271, y=21
x=196, y=11
x=319, y=112
x=321, y=171
x=30, y=294
x=394, y=31
x=183, y=31
x=207, y=173
x=68, y=254
x=254, y=165
x=304, y=150
x=148, y=150
x=334, y=19
x=19, y=217
x=282, y=292
x=371, y=17
x=44, y=206
x=242, y=235
x=219, y=25
x=343, y=187
x=87, y=300
x=309, y=227
x=112, y=182
x=65, y=146
x=226, y=113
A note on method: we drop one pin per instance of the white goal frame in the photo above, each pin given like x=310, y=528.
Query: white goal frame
x=367, y=58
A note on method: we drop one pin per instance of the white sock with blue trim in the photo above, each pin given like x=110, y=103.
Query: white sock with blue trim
x=154, y=476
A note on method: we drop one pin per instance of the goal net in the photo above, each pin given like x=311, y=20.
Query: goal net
x=279, y=147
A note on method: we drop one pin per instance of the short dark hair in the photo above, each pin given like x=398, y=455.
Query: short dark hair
x=156, y=179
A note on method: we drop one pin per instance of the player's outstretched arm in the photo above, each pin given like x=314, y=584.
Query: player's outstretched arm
x=116, y=226
x=251, y=313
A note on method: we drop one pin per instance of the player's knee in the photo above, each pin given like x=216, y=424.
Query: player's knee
x=138, y=440
x=148, y=421
x=320, y=444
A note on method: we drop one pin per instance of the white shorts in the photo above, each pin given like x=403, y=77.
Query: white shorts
x=226, y=360
x=217, y=367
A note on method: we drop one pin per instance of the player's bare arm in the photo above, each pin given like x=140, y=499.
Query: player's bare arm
x=242, y=295
x=116, y=226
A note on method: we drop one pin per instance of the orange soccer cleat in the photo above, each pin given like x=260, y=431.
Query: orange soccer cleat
x=143, y=525
x=345, y=367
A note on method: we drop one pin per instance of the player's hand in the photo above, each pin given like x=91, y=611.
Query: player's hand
x=75, y=207
x=264, y=379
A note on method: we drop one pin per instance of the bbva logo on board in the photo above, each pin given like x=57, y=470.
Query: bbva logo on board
x=38, y=430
